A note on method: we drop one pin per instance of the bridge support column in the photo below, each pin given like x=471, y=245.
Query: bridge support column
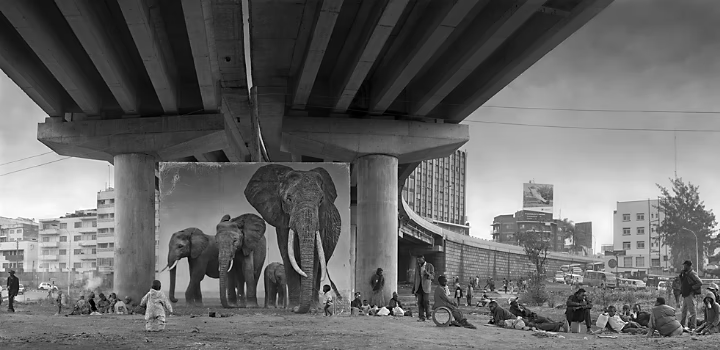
x=134, y=224
x=377, y=222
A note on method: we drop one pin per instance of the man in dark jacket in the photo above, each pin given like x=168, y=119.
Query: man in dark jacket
x=425, y=273
x=13, y=286
x=578, y=309
x=690, y=286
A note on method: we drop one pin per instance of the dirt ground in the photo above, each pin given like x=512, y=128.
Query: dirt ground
x=33, y=326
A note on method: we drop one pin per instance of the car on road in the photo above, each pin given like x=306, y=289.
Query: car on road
x=662, y=286
x=21, y=290
x=559, y=277
x=45, y=286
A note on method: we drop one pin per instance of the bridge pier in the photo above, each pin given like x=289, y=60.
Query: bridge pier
x=134, y=224
x=377, y=222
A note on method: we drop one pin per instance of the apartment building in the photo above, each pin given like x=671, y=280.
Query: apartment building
x=436, y=191
x=19, y=255
x=69, y=242
x=635, y=226
x=18, y=229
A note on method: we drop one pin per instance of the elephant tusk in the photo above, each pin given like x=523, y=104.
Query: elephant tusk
x=231, y=264
x=291, y=253
x=321, y=255
x=171, y=267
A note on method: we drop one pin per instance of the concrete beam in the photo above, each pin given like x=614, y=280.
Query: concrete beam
x=324, y=25
x=28, y=72
x=200, y=157
x=236, y=113
x=415, y=47
x=270, y=108
x=362, y=48
x=348, y=138
x=481, y=86
x=143, y=30
x=89, y=23
x=471, y=49
x=201, y=32
x=119, y=136
x=211, y=142
x=28, y=19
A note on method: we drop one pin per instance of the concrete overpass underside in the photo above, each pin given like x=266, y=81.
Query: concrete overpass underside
x=381, y=84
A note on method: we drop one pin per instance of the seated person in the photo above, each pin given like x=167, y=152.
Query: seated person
x=503, y=318
x=578, y=309
x=711, y=310
x=394, y=302
x=626, y=314
x=365, y=307
x=81, y=307
x=616, y=324
x=484, y=300
x=443, y=300
x=121, y=307
x=532, y=319
x=639, y=316
x=356, y=305
x=662, y=319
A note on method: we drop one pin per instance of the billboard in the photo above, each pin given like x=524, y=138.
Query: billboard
x=537, y=196
x=201, y=202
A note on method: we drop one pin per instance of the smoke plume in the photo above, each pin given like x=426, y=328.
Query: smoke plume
x=93, y=283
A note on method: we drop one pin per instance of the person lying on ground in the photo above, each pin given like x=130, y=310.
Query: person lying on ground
x=663, y=320
x=443, y=300
x=578, y=309
x=532, y=319
x=639, y=316
x=503, y=318
x=711, y=310
x=612, y=321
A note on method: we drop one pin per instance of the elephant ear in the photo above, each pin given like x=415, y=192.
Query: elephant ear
x=198, y=242
x=253, y=228
x=330, y=221
x=263, y=193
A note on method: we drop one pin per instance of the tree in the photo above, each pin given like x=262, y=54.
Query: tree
x=536, y=245
x=684, y=211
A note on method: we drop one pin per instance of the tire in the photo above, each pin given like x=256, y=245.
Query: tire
x=444, y=315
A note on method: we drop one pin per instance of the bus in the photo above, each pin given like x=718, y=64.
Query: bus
x=572, y=268
x=600, y=279
x=631, y=284
x=595, y=266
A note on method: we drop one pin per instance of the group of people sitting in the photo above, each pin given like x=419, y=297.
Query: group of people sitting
x=104, y=305
x=361, y=307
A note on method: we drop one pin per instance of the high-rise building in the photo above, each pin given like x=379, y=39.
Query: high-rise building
x=635, y=226
x=436, y=191
x=69, y=242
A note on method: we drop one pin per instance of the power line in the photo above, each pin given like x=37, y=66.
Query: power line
x=602, y=110
x=591, y=127
x=21, y=159
x=35, y=166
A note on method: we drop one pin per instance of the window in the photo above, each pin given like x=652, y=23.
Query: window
x=640, y=261
x=46, y=252
x=627, y=262
x=63, y=265
x=77, y=238
x=93, y=238
x=653, y=229
x=77, y=251
x=63, y=238
x=626, y=231
x=46, y=239
x=63, y=251
x=78, y=224
x=626, y=217
x=94, y=251
x=640, y=217
x=665, y=258
x=626, y=245
x=94, y=223
x=655, y=262
x=18, y=230
x=641, y=230
x=77, y=265
x=93, y=264
x=640, y=245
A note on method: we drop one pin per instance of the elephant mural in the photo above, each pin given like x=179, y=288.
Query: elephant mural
x=202, y=254
x=301, y=207
x=241, y=245
x=275, y=285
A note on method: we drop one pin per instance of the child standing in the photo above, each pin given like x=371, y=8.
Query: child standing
x=58, y=300
x=327, y=300
x=458, y=294
x=155, y=303
x=469, y=294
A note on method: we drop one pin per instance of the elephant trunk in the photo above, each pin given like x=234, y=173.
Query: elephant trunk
x=172, y=285
x=224, y=282
x=307, y=231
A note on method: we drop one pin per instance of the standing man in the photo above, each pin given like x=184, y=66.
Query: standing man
x=690, y=286
x=421, y=287
x=13, y=286
x=378, y=284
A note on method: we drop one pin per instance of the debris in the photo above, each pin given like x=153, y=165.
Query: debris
x=195, y=330
x=147, y=340
x=608, y=336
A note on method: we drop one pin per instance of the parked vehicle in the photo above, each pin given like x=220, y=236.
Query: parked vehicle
x=662, y=286
x=631, y=284
x=559, y=277
x=600, y=279
x=21, y=290
x=572, y=278
x=45, y=286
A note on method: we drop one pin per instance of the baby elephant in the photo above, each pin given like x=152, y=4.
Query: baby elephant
x=275, y=285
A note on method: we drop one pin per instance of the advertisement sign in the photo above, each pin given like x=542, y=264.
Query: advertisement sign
x=537, y=195
x=528, y=215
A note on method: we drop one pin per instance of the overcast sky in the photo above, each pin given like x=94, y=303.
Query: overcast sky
x=638, y=54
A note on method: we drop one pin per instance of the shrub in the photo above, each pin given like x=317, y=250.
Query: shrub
x=535, y=293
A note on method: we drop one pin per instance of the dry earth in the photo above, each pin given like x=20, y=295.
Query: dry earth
x=34, y=327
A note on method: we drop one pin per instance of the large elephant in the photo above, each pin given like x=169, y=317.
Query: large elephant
x=301, y=206
x=245, y=235
x=202, y=254
x=275, y=285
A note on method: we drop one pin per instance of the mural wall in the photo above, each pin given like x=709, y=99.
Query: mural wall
x=284, y=195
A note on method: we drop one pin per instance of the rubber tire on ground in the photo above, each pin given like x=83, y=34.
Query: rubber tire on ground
x=442, y=310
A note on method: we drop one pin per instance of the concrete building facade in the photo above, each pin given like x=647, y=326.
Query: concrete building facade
x=69, y=243
x=635, y=226
x=18, y=229
x=19, y=255
x=436, y=190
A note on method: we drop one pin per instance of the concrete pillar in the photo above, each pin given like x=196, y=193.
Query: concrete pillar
x=377, y=222
x=134, y=225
